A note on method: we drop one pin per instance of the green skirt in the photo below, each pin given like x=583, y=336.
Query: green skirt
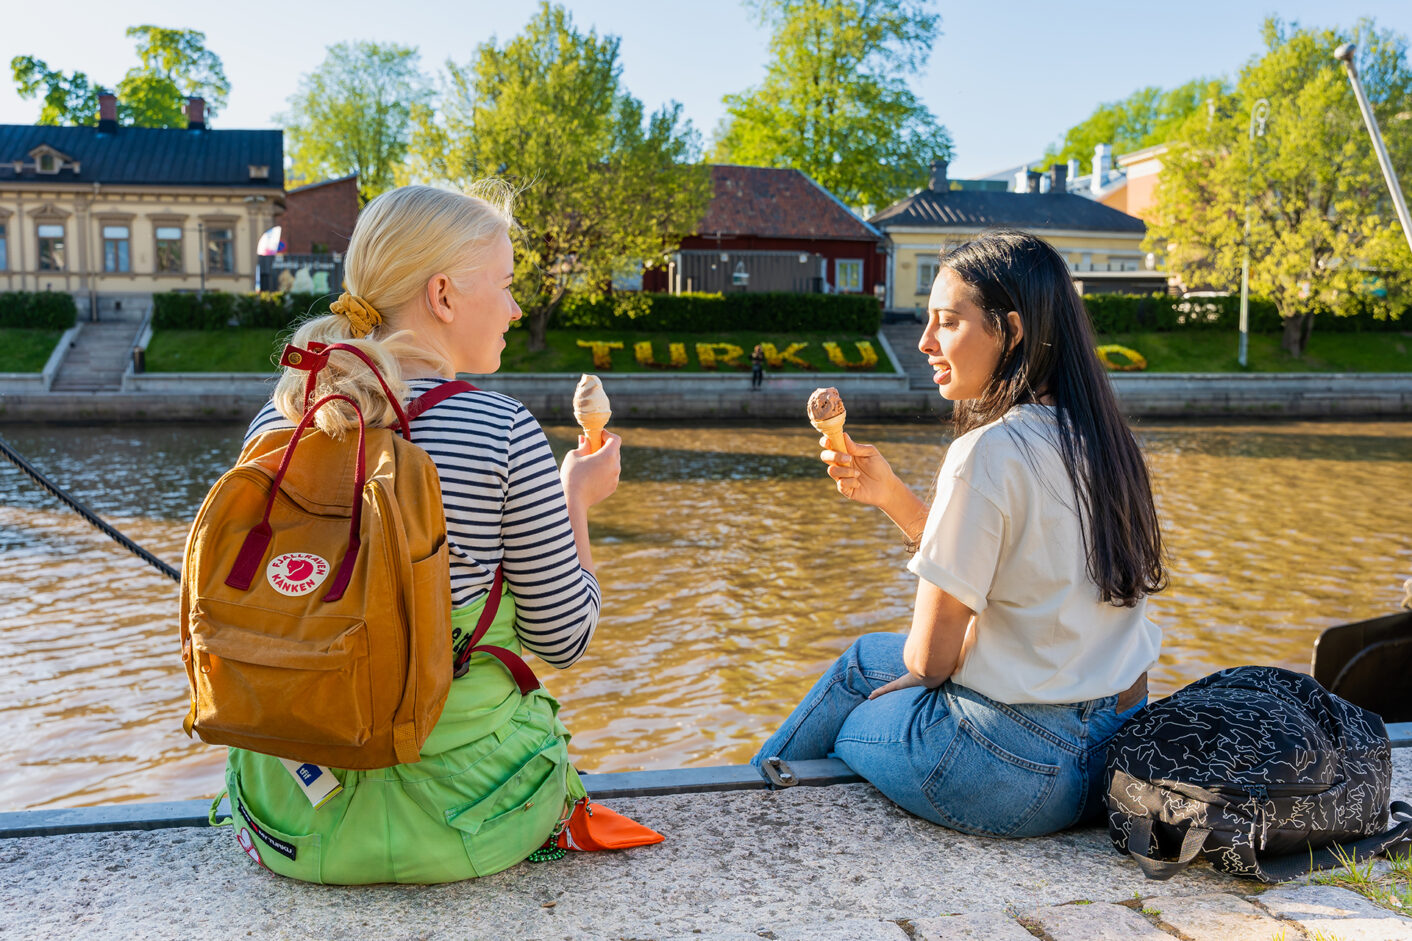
x=493, y=784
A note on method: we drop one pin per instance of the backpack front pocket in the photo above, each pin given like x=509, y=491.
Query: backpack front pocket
x=299, y=680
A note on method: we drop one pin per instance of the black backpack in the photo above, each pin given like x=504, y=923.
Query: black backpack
x=1260, y=769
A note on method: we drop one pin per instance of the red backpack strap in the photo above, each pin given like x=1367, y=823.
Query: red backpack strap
x=314, y=358
x=436, y=396
x=257, y=541
x=524, y=676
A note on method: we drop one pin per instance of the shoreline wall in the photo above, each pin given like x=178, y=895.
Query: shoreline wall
x=656, y=397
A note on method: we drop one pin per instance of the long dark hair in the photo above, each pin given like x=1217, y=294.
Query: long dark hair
x=1010, y=270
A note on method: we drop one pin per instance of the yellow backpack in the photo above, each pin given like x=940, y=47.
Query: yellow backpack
x=316, y=592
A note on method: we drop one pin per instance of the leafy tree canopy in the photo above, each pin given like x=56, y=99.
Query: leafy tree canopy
x=835, y=101
x=602, y=187
x=173, y=64
x=1323, y=235
x=353, y=114
x=1147, y=117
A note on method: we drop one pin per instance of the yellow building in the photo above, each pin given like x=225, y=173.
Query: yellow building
x=112, y=212
x=1102, y=245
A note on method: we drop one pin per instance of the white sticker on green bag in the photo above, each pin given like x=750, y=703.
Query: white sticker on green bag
x=317, y=782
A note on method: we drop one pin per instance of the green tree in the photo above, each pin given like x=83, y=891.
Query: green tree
x=1146, y=117
x=68, y=98
x=602, y=187
x=1323, y=235
x=353, y=114
x=173, y=64
x=835, y=101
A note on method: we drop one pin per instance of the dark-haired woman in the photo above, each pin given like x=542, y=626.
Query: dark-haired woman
x=1029, y=644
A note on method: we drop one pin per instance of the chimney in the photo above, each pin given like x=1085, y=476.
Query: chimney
x=1059, y=179
x=1032, y=181
x=1073, y=169
x=937, y=183
x=107, y=112
x=196, y=114
x=1022, y=177
x=1102, y=166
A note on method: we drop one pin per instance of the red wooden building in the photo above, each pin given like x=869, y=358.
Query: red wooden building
x=774, y=230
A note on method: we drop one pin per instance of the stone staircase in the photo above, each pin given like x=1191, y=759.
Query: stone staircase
x=102, y=350
x=903, y=337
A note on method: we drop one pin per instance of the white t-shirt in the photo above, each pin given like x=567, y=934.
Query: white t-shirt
x=1004, y=538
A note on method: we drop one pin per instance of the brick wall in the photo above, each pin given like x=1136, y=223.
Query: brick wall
x=320, y=217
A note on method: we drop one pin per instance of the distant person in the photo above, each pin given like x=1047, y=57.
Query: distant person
x=1029, y=644
x=428, y=277
x=757, y=368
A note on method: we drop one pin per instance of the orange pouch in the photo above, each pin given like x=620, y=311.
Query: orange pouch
x=594, y=827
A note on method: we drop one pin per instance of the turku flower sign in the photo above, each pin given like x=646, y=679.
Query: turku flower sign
x=723, y=355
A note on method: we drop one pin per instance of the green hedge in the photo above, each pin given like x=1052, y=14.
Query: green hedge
x=36, y=310
x=216, y=310
x=697, y=312
x=1135, y=313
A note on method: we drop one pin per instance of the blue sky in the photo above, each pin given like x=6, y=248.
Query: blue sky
x=1005, y=77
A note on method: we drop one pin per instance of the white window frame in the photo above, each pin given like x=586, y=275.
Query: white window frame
x=927, y=268
x=851, y=264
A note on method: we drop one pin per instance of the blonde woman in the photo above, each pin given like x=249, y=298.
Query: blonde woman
x=428, y=275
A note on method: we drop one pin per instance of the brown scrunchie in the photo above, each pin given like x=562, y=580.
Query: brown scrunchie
x=362, y=316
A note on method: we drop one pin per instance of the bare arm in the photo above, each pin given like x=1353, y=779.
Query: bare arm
x=863, y=475
x=936, y=643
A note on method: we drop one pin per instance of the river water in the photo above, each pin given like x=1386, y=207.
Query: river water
x=732, y=573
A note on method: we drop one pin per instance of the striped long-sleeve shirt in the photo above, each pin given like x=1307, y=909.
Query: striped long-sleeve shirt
x=504, y=504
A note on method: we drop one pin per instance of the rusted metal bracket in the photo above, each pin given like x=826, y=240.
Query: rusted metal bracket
x=779, y=772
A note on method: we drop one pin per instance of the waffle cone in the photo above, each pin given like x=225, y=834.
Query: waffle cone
x=832, y=428
x=592, y=424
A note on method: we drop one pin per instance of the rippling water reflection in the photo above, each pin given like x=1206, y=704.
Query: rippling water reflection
x=732, y=572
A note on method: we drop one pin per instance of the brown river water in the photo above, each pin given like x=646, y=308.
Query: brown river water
x=732, y=574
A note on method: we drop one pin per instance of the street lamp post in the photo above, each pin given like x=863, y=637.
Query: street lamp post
x=1344, y=54
x=1259, y=114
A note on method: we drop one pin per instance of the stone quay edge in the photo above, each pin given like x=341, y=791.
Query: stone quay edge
x=658, y=397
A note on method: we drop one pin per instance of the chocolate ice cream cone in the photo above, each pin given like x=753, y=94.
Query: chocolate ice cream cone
x=832, y=428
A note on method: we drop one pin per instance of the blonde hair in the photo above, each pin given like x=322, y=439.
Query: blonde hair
x=402, y=238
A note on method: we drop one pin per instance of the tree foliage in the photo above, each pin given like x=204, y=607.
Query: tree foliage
x=602, y=187
x=1147, y=117
x=173, y=65
x=67, y=98
x=1323, y=235
x=353, y=114
x=835, y=101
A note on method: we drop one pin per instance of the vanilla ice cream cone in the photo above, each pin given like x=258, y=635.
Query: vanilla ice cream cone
x=592, y=424
x=591, y=410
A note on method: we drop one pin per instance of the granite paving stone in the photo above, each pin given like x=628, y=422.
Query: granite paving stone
x=1098, y=921
x=736, y=864
x=981, y=926
x=1218, y=917
x=1332, y=912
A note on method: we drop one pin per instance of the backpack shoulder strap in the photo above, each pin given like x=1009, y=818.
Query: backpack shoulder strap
x=1335, y=855
x=436, y=396
x=524, y=676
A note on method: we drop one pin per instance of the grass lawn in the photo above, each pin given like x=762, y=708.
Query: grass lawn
x=1215, y=351
x=235, y=350
x=23, y=350
x=565, y=355
x=254, y=350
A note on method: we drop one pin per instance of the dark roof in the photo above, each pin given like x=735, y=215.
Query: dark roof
x=310, y=186
x=138, y=155
x=771, y=203
x=981, y=209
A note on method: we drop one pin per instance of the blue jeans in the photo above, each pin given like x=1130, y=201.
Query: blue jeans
x=950, y=754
